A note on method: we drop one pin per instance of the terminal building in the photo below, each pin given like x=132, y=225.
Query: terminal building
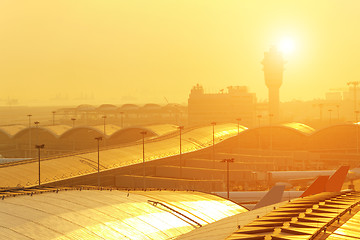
x=236, y=103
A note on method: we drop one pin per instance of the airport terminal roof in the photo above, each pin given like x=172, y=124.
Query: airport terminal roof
x=108, y=214
x=340, y=136
x=25, y=173
x=109, y=129
x=300, y=127
x=54, y=130
x=58, y=131
x=321, y=215
x=11, y=130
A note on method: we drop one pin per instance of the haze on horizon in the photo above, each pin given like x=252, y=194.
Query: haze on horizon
x=145, y=51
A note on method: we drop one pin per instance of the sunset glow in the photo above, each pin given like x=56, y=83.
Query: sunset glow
x=286, y=45
x=90, y=51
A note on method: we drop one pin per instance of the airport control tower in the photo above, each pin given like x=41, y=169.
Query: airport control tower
x=273, y=71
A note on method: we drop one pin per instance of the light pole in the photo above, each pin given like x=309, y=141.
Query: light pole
x=354, y=83
x=104, y=117
x=53, y=113
x=73, y=122
x=330, y=111
x=37, y=130
x=213, y=143
x=238, y=124
x=320, y=105
x=357, y=131
x=271, y=132
x=73, y=139
x=39, y=147
x=29, y=116
x=143, y=133
x=180, y=157
x=122, y=119
x=229, y=160
x=259, y=117
x=98, y=158
x=338, y=113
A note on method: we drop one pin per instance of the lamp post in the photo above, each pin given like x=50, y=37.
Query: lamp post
x=213, y=143
x=180, y=157
x=271, y=132
x=259, y=117
x=238, y=124
x=39, y=147
x=73, y=122
x=29, y=116
x=73, y=139
x=330, y=111
x=229, y=160
x=98, y=158
x=143, y=133
x=53, y=113
x=104, y=117
x=338, y=113
x=122, y=119
x=354, y=83
x=37, y=127
x=320, y=105
x=357, y=131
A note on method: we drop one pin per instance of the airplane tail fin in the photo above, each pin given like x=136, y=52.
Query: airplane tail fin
x=326, y=184
x=271, y=197
x=335, y=182
x=318, y=186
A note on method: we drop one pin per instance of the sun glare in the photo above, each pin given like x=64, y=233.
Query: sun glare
x=286, y=45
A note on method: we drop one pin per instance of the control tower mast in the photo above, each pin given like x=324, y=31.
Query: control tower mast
x=273, y=72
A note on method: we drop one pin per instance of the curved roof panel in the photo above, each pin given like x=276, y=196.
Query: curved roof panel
x=65, y=167
x=94, y=214
x=11, y=130
x=129, y=107
x=85, y=107
x=109, y=128
x=162, y=129
x=151, y=106
x=57, y=130
x=73, y=130
x=107, y=107
x=300, y=127
x=342, y=136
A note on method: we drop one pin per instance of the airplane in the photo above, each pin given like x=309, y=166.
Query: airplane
x=305, y=178
x=257, y=199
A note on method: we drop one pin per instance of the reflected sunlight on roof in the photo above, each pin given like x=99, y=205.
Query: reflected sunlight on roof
x=65, y=167
x=106, y=214
x=300, y=127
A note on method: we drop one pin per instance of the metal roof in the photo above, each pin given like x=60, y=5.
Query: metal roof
x=303, y=218
x=64, y=167
x=109, y=214
x=162, y=129
x=57, y=130
x=11, y=130
x=300, y=127
x=109, y=129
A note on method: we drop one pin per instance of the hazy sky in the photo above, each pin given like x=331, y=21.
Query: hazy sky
x=133, y=51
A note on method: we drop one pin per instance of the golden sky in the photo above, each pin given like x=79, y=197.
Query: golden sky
x=140, y=51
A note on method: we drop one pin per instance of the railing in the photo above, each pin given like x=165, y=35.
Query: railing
x=154, y=203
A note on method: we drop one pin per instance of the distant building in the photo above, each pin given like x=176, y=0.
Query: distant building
x=237, y=102
x=333, y=96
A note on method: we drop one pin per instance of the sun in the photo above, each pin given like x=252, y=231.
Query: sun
x=286, y=45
